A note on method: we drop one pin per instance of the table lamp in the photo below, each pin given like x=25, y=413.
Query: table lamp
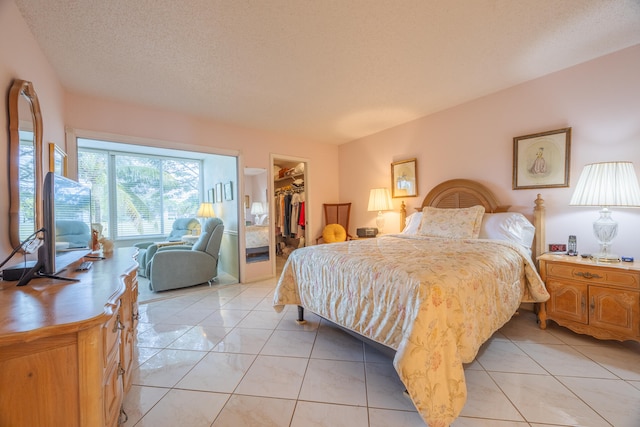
x=607, y=184
x=256, y=211
x=379, y=200
x=205, y=211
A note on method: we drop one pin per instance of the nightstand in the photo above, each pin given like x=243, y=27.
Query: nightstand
x=601, y=300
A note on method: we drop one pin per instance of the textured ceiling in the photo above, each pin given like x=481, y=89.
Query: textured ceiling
x=327, y=70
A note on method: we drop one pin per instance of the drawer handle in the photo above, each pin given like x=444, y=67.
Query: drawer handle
x=123, y=418
x=121, y=370
x=118, y=325
x=588, y=275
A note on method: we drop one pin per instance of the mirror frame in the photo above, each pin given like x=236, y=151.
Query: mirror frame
x=23, y=88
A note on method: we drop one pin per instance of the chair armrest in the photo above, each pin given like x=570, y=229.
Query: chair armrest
x=143, y=245
x=174, y=248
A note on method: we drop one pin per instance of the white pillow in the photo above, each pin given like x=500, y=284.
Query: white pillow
x=412, y=223
x=461, y=223
x=509, y=226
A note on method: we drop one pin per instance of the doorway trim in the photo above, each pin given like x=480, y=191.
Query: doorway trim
x=273, y=159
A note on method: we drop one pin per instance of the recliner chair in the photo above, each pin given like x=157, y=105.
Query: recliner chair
x=180, y=266
x=146, y=250
x=76, y=233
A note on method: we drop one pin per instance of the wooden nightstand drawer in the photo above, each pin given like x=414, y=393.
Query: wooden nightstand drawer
x=590, y=274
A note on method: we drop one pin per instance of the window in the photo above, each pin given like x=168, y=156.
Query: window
x=138, y=194
x=27, y=184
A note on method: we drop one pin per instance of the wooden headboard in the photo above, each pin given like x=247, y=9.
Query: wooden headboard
x=464, y=193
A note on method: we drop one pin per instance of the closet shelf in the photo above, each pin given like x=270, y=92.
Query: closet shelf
x=284, y=178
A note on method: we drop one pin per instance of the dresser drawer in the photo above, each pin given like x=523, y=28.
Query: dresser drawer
x=111, y=336
x=594, y=274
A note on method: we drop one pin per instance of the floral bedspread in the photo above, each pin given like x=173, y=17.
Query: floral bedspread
x=433, y=300
x=257, y=236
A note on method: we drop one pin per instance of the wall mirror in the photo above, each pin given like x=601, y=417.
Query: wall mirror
x=256, y=213
x=25, y=162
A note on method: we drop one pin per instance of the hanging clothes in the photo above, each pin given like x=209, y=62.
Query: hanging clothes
x=295, y=211
x=286, y=224
x=301, y=218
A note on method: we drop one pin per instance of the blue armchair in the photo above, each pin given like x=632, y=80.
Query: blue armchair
x=180, y=266
x=146, y=250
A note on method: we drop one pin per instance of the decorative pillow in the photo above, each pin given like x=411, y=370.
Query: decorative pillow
x=510, y=226
x=412, y=223
x=463, y=223
x=334, y=233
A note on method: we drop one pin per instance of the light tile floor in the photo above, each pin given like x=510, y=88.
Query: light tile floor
x=221, y=356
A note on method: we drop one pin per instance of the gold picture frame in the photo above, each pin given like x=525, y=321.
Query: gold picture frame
x=541, y=160
x=404, y=179
x=57, y=160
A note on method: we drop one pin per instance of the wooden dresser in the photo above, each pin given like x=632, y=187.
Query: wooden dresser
x=67, y=348
x=601, y=300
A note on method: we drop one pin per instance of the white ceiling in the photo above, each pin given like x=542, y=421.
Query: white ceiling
x=327, y=70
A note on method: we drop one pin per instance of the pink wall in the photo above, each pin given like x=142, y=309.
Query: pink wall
x=21, y=58
x=598, y=99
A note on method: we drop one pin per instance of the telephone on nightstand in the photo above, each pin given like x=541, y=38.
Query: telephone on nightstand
x=367, y=232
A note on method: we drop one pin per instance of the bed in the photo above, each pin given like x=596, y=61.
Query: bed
x=434, y=297
x=257, y=242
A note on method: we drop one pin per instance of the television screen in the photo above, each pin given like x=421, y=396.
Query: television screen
x=67, y=222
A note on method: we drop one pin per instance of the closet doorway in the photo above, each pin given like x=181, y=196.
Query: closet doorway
x=289, y=200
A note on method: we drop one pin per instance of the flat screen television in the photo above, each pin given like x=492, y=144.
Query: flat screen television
x=67, y=227
x=67, y=223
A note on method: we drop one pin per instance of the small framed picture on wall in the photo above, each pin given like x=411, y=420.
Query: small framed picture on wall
x=541, y=160
x=218, y=192
x=404, y=180
x=228, y=191
x=57, y=160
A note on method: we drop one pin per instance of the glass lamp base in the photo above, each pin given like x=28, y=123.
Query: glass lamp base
x=380, y=222
x=606, y=257
x=605, y=229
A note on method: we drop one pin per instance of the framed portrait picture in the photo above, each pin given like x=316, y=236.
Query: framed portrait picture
x=212, y=195
x=218, y=188
x=541, y=160
x=57, y=160
x=228, y=190
x=404, y=180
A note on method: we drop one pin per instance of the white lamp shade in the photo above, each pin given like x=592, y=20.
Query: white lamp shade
x=206, y=210
x=607, y=184
x=256, y=208
x=379, y=200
